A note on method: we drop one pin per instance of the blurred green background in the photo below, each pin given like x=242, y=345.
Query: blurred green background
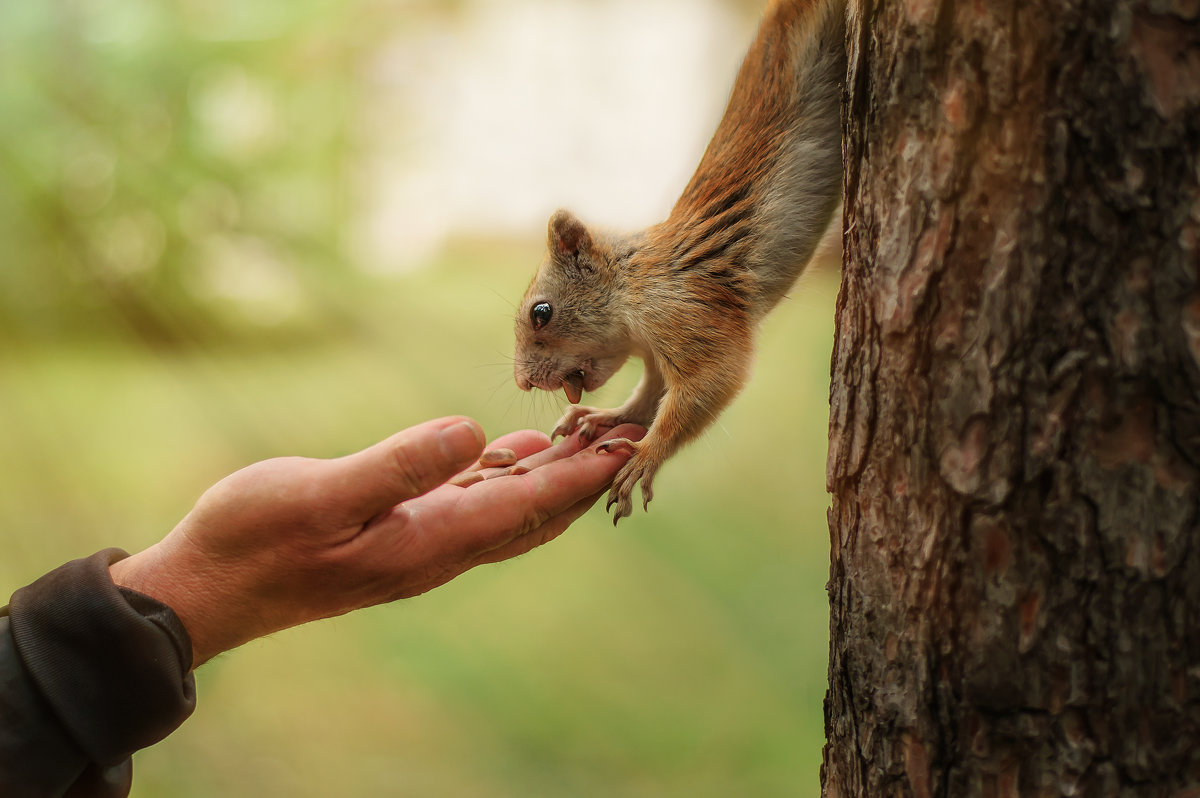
x=239, y=230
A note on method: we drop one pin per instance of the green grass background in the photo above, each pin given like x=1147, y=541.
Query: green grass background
x=181, y=296
x=680, y=654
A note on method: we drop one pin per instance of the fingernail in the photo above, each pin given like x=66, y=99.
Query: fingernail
x=461, y=442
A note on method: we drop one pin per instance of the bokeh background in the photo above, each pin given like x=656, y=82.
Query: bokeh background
x=233, y=230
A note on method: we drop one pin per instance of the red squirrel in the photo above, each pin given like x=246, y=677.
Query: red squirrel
x=686, y=295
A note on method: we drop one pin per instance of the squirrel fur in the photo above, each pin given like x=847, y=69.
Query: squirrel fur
x=686, y=295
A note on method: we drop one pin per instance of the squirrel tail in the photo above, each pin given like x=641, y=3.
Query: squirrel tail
x=770, y=180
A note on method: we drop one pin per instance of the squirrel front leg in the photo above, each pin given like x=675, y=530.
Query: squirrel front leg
x=640, y=409
x=690, y=403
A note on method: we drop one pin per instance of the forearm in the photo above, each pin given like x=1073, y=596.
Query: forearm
x=88, y=675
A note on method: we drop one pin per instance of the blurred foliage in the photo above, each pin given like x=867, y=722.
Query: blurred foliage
x=173, y=169
x=682, y=653
x=177, y=180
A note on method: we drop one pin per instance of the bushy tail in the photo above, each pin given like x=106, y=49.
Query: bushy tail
x=770, y=180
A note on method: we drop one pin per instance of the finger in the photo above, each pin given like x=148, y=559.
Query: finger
x=545, y=533
x=547, y=453
x=572, y=445
x=558, y=522
x=523, y=442
x=404, y=466
x=492, y=513
x=568, y=447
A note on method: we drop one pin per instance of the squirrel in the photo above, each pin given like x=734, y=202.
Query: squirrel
x=686, y=295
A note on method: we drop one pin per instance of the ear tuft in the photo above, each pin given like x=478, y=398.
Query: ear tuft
x=568, y=237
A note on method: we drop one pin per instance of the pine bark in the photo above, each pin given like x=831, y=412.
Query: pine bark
x=1014, y=455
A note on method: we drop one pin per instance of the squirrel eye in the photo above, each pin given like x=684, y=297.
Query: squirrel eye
x=540, y=315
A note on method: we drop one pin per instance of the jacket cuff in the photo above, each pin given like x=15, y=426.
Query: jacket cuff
x=113, y=664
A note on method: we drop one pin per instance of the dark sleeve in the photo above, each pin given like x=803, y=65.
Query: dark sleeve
x=89, y=673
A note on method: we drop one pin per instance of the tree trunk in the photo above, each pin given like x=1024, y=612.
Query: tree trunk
x=1015, y=423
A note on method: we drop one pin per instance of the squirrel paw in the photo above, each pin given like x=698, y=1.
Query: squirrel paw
x=636, y=470
x=588, y=420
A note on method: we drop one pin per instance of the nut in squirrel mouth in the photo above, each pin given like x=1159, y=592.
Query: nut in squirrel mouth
x=572, y=385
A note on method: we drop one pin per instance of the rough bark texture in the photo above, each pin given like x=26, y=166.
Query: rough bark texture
x=1015, y=423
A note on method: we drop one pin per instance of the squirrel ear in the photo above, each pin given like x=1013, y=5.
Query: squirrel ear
x=568, y=236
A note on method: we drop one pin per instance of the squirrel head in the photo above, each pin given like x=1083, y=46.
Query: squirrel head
x=570, y=327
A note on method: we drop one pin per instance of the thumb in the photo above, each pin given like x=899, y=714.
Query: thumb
x=406, y=465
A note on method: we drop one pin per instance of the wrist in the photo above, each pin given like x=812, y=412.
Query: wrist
x=152, y=574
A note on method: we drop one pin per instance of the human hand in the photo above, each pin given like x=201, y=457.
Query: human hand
x=293, y=539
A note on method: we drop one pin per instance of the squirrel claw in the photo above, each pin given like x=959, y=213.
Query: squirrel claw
x=570, y=421
x=624, y=506
x=617, y=445
x=631, y=474
x=588, y=421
